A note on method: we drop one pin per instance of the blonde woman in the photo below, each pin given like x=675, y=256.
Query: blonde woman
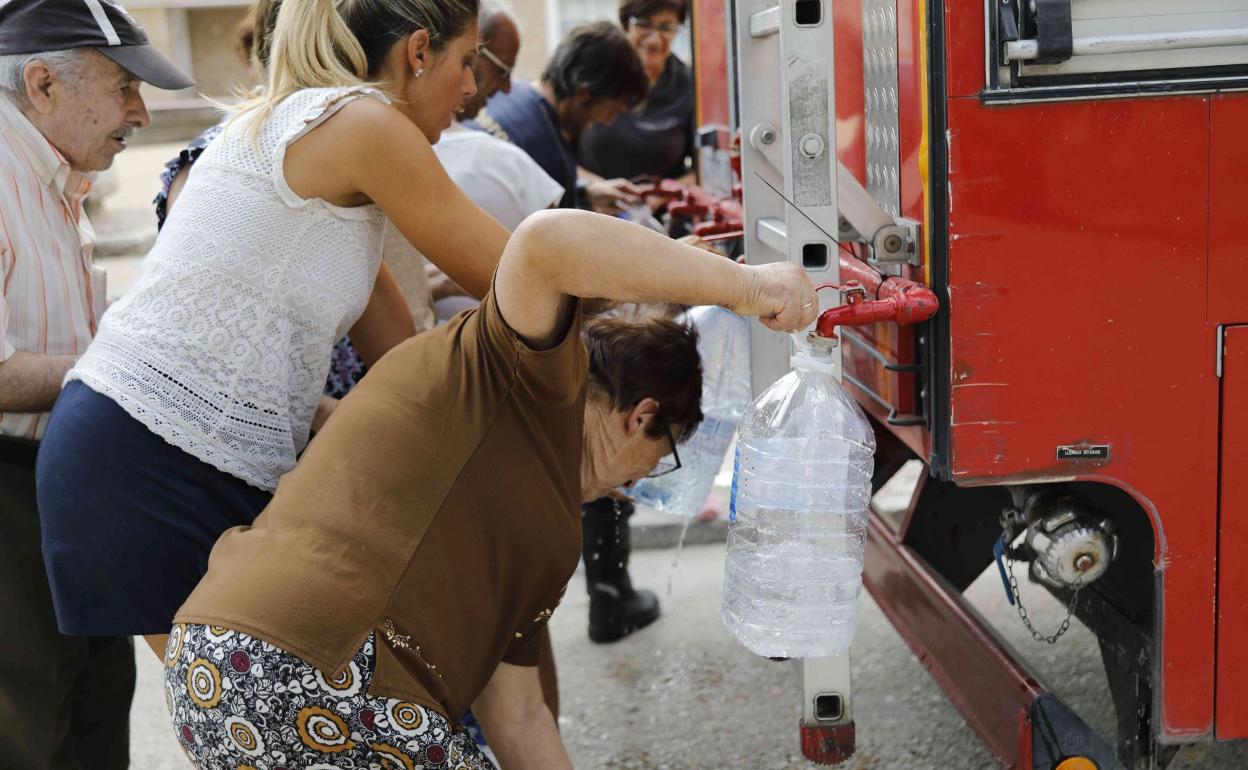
x=200, y=389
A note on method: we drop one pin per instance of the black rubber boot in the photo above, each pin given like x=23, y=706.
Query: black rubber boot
x=616, y=609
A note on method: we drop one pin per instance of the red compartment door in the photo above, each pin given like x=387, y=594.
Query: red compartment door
x=1232, y=663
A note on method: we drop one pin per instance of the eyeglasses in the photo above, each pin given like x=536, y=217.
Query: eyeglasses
x=646, y=27
x=487, y=53
x=667, y=464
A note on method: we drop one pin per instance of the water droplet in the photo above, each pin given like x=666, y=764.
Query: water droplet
x=680, y=544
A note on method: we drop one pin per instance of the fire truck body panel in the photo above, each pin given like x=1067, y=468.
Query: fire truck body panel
x=1232, y=707
x=1043, y=357
x=1119, y=191
x=1228, y=236
x=1084, y=234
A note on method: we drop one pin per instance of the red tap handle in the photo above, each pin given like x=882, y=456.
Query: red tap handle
x=853, y=291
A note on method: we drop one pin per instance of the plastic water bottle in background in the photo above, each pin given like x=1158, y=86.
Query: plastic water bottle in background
x=800, y=490
x=724, y=347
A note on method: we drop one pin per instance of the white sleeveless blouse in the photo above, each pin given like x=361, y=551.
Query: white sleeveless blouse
x=222, y=345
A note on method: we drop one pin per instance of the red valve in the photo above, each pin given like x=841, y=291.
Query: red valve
x=897, y=299
x=725, y=222
x=718, y=229
x=692, y=205
x=668, y=189
x=734, y=159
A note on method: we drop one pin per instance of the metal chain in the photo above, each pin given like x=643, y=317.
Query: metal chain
x=1022, y=611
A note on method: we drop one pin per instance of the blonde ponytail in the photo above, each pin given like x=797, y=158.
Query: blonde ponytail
x=312, y=47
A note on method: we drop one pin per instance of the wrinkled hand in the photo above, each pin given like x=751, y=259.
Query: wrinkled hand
x=606, y=195
x=780, y=294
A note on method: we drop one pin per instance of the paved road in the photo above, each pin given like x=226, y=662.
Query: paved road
x=683, y=694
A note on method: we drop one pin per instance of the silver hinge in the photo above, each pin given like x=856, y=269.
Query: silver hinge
x=1221, y=351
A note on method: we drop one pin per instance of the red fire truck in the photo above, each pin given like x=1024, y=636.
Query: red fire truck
x=1058, y=187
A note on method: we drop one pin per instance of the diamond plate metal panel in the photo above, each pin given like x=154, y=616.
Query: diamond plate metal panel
x=879, y=58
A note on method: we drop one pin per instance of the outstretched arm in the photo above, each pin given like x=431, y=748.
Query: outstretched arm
x=518, y=723
x=554, y=254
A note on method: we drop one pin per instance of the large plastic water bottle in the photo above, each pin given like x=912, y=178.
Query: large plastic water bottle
x=724, y=347
x=800, y=490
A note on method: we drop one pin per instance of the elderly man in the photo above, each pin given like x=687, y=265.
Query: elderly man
x=593, y=76
x=497, y=175
x=70, y=72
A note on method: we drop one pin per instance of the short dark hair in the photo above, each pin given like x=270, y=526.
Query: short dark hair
x=644, y=9
x=654, y=358
x=597, y=57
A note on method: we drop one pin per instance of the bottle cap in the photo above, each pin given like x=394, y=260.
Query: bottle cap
x=813, y=352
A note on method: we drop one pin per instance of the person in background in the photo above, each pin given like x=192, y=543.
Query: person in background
x=204, y=379
x=657, y=139
x=69, y=100
x=498, y=176
x=252, y=45
x=593, y=76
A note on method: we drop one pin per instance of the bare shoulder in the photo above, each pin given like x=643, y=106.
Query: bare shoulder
x=359, y=124
x=348, y=145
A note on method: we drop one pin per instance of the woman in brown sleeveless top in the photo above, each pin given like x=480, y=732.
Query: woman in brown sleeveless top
x=404, y=568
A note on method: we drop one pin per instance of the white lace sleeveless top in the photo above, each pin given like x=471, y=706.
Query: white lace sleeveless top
x=222, y=345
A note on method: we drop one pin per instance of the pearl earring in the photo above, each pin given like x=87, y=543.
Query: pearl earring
x=420, y=72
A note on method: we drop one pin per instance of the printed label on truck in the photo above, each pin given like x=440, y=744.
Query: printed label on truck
x=1083, y=452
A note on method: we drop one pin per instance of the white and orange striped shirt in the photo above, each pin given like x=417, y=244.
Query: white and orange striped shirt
x=48, y=297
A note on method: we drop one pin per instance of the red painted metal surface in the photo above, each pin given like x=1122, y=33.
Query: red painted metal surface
x=1232, y=706
x=1228, y=190
x=1062, y=251
x=1228, y=272
x=882, y=391
x=910, y=66
x=900, y=302
x=828, y=745
x=983, y=680
x=711, y=77
x=851, y=144
x=964, y=47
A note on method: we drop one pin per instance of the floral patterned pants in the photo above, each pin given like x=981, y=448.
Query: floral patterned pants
x=238, y=703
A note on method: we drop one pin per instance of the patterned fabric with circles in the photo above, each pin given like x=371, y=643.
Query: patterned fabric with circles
x=239, y=702
x=222, y=345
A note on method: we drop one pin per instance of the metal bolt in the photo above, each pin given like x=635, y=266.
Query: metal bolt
x=1085, y=562
x=767, y=137
x=892, y=243
x=811, y=146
